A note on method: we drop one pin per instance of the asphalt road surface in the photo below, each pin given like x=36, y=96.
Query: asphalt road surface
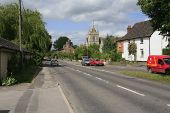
x=98, y=90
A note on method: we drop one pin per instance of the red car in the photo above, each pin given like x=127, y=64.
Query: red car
x=158, y=63
x=96, y=62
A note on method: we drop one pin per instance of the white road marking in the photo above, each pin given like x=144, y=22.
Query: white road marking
x=98, y=78
x=130, y=90
x=168, y=105
x=107, y=82
x=66, y=101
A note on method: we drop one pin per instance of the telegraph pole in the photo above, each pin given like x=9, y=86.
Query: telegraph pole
x=20, y=32
x=20, y=27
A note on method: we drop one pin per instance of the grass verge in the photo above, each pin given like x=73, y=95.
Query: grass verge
x=146, y=75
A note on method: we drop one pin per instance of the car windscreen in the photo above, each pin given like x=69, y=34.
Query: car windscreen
x=167, y=61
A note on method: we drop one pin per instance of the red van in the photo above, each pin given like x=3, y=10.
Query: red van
x=158, y=64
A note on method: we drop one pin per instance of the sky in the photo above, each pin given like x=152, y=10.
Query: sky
x=74, y=18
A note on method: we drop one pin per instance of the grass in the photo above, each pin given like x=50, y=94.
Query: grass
x=126, y=63
x=146, y=75
x=27, y=74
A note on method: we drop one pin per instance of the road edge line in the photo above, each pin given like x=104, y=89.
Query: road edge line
x=65, y=99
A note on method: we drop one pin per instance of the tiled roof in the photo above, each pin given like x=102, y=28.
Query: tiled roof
x=9, y=45
x=139, y=30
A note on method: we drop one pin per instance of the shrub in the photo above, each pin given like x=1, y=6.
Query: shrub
x=166, y=51
x=116, y=57
x=8, y=81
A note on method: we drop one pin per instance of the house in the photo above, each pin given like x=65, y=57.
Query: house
x=7, y=49
x=68, y=47
x=148, y=41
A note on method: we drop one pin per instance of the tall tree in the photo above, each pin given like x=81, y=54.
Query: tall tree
x=60, y=42
x=132, y=48
x=34, y=35
x=109, y=45
x=159, y=12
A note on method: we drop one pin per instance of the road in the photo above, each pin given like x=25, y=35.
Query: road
x=96, y=90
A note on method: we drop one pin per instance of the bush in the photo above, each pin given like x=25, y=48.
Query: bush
x=38, y=58
x=116, y=57
x=166, y=51
x=14, y=64
x=8, y=81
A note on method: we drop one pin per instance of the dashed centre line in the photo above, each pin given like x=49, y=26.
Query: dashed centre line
x=130, y=90
x=107, y=82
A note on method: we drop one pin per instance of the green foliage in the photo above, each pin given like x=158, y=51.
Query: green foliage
x=116, y=57
x=14, y=64
x=81, y=51
x=109, y=45
x=34, y=35
x=8, y=21
x=158, y=11
x=166, y=51
x=132, y=48
x=8, y=81
x=38, y=57
x=93, y=51
x=60, y=42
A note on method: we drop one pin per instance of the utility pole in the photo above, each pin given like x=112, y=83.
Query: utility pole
x=20, y=33
x=20, y=27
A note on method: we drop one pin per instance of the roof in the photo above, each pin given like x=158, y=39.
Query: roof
x=9, y=45
x=139, y=30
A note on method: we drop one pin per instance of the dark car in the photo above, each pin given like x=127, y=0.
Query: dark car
x=85, y=62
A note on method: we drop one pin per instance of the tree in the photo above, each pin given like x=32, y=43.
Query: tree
x=132, y=48
x=109, y=45
x=60, y=42
x=110, y=48
x=159, y=12
x=34, y=34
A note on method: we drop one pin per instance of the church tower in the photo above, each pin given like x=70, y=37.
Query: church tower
x=93, y=36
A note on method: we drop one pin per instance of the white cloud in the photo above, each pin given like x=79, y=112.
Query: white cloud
x=111, y=16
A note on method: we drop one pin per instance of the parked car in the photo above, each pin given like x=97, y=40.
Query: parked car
x=97, y=62
x=85, y=62
x=158, y=64
x=50, y=62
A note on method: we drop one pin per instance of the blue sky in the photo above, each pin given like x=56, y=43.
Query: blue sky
x=73, y=18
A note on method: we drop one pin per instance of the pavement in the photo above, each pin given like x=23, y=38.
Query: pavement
x=43, y=95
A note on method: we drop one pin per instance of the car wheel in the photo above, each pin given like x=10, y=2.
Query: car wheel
x=150, y=70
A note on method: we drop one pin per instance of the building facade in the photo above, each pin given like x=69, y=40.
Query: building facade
x=68, y=47
x=148, y=42
x=93, y=37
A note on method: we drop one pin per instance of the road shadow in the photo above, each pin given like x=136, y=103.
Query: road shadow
x=4, y=111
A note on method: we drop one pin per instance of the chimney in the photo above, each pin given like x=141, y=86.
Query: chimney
x=129, y=28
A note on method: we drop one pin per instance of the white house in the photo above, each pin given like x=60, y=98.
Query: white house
x=148, y=41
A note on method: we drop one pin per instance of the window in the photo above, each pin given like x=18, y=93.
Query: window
x=160, y=62
x=142, y=53
x=141, y=41
x=93, y=38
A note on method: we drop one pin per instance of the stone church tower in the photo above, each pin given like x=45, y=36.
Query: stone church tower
x=93, y=37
